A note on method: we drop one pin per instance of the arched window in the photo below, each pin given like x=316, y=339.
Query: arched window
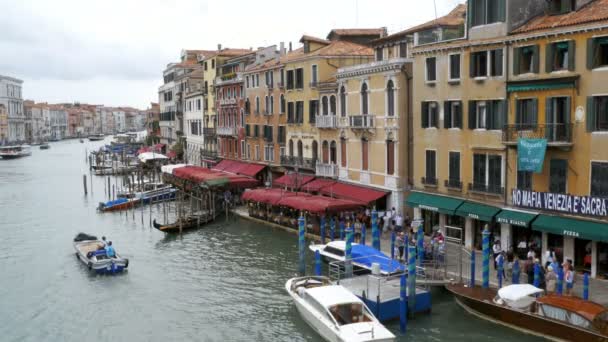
x=324, y=105
x=315, y=151
x=343, y=101
x=247, y=107
x=364, y=102
x=332, y=105
x=343, y=152
x=364, y=155
x=266, y=105
x=390, y=98
x=325, y=152
x=300, y=149
x=290, y=148
x=333, y=153
x=282, y=105
x=257, y=105
x=271, y=104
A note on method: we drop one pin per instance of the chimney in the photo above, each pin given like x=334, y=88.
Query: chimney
x=384, y=32
x=219, y=47
x=290, y=47
x=282, y=48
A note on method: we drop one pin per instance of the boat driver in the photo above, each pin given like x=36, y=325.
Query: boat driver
x=110, y=250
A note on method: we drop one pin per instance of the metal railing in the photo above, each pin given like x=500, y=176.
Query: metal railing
x=307, y=163
x=361, y=121
x=554, y=133
x=209, y=131
x=326, y=121
x=429, y=181
x=453, y=183
x=326, y=170
x=494, y=189
x=226, y=131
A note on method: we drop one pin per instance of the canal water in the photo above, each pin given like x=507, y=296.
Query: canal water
x=223, y=282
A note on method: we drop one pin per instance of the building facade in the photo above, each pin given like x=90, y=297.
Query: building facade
x=3, y=125
x=58, y=123
x=12, y=99
x=193, y=116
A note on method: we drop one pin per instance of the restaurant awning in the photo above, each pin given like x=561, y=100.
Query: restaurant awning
x=353, y=192
x=515, y=217
x=319, y=204
x=293, y=180
x=477, y=211
x=239, y=168
x=571, y=227
x=318, y=184
x=441, y=204
x=270, y=196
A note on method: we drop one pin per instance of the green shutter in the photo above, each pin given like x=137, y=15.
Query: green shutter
x=490, y=120
x=590, y=114
x=549, y=118
x=498, y=54
x=458, y=118
x=502, y=117
x=436, y=116
x=566, y=6
x=567, y=117
x=516, y=62
x=549, y=57
x=590, y=53
x=472, y=115
x=471, y=63
x=469, y=14
x=502, y=8
x=424, y=115
x=447, y=114
x=535, y=112
x=571, y=55
x=535, y=59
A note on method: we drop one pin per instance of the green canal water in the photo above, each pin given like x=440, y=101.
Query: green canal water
x=221, y=283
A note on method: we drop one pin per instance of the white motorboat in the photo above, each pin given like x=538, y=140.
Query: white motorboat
x=95, y=258
x=12, y=152
x=334, y=312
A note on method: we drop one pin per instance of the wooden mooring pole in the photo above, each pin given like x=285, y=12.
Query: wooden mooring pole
x=84, y=183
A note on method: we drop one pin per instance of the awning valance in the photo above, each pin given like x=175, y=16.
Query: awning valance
x=353, y=192
x=441, y=204
x=515, y=217
x=571, y=227
x=477, y=211
x=539, y=86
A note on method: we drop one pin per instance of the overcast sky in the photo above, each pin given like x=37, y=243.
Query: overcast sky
x=112, y=52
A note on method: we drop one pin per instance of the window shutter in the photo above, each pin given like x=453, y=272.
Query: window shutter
x=469, y=14
x=516, y=62
x=590, y=48
x=535, y=112
x=471, y=62
x=549, y=127
x=571, y=55
x=447, y=114
x=590, y=114
x=498, y=62
x=435, y=116
x=502, y=114
x=471, y=114
x=568, y=110
x=490, y=119
x=549, y=56
x=535, y=59
x=458, y=116
x=424, y=115
x=501, y=10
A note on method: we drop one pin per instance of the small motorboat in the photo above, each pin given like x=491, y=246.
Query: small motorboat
x=334, y=312
x=561, y=318
x=90, y=251
x=45, y=146
x=118, y=204
x=13, y=152
x=96, y=137
x=362, y=257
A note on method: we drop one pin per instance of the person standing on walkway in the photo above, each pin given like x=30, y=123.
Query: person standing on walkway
x=549, y=257
x=569, y=278
x=400, y=243
x=387, y=222
x=497, y=250
x=498, y=259
x=550, y=280
x=398, y=223
x=529, y=269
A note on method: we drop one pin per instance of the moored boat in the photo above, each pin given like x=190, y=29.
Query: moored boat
x=118, y=204
x=560, y=318
x=90, y=252
x=45, y=146
x=362, y=257
x=96, y=137
x=13, y=152
x=334, y=312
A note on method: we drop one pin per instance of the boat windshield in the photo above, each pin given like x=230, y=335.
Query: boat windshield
x=563, y=315
x=350, y=313
x=333, y=250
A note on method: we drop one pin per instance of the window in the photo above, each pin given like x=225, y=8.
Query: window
x=454, y=67
x=429, y=113
x=342, y=101
x=313, y=110
x=488, y=114
x=256, y=131
x=524, y=180
x=390, y=157
x=486, y=63
x=313, y=76
x=597, y=113
x=558, y=176
x=454, y=170
x=561, y=6
x=379, y=54
x=525, y=60
x=390, y=98
x=268, y=133
x=487, y=173
x=247, y=107
x=483, y=12
x=300, y=112
x=599, y=179
x=281, y=135
x=364, y=102
x=257, y=152
x=257, y=105
x=290, y=79
x=212, y=63
x=452, y=117
x=431, y=72
x=291, y=114
x=431, y=168
x=266, y=104
x=205, y=65
x=248, y=151
x=496, y=62
x=324, y=105
x=560, y=56
x=282, y=77
x=364, y=155
x=526, y=116
x=597, y=52
x=282, y=104
x=248, y=130
x=403, y=50
x=257, y=80
x=343, y=152
x=243, y=149
x=271, y=105
x=299, y=78
x=198, y=104
x=269, y=153
x=332, y=105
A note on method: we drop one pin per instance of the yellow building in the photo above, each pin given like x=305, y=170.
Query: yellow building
x=545, y=80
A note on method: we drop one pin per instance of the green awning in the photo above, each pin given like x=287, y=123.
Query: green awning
x=515, y=218
x=571, y=227
x=539, y=86
x=440, y=204
x=477, y=211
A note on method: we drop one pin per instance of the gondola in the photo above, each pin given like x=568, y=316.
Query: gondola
x=190, y=222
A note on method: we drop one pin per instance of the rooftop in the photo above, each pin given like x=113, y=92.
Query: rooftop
x=333, y=49
x=592, y=12
x=357, y=32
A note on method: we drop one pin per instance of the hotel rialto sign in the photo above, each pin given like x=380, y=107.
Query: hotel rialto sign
x=563, y=203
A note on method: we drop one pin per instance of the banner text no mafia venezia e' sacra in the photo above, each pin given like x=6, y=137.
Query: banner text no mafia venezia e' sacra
x=569, y=204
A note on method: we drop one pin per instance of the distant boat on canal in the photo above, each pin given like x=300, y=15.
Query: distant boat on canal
x=45, y=146
x=13, y=152
x=164, y=193
x=90, y=251
x=96, y=137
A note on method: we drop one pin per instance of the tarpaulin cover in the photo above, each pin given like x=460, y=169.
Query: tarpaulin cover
x=169, y=168
x=366, y=255
x=214, y=178
x=318, y=184
x=318, y=204
x=293, y=180
x=239, y=168
x=270, y=196
x=353, y=192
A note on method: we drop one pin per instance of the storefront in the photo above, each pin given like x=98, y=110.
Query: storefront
x=435, y=210
x=516, y=233
x=477, y=216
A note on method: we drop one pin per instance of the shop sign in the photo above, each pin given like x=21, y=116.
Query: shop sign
x=564, y=203
x=570, y=233
x=426, y=207
x=512, y=222
x=531, y=154
x=474, y=216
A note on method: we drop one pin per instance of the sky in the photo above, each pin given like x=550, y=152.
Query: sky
x=113, y=52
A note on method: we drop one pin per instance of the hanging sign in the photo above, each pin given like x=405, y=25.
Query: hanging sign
x=568, y=204
x=531, y=154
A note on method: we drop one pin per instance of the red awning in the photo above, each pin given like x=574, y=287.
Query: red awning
x=270, y=196
x=214, y=178
x=319, y=204
x=172, y=154
x=318, y=184
x=252, y=170
x=240, y=168
x=353, y=192
x=293, y=180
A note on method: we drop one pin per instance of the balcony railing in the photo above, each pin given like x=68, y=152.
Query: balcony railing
x=453, y=184
x=327, y=170
x=326, y=121
x=226, y=131
x=493, y=189
x=209, y=131
x=306, y=163
x=361, y=121
x=209, y=154
x=429, y=181
x=554, y=133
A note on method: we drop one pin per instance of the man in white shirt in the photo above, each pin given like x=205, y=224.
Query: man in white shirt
x=398, y=222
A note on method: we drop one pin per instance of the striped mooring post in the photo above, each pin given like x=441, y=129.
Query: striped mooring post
x=473, y=268
x=586, y=287
x=375, y=232
x=559, y=289
x=485, y=271
x=363, y=234
x=536, y=275
x=393, y=245
x=348, y=252
x=411, y=269
x=420, y=241
x=516, y=272
x=317, y=263
x=341, y=225
x=322, y=229
x=332, y=228
x=403, y=304
x=499, y=269
x=302, y=245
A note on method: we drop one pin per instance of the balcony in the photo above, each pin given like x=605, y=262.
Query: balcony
x=227, y=102
x=491, y=189
x=326, y=121
x=453, y=184
x=305, y=163
x=327, y=170
x=210, y=132
x=231, y=131
x=559, y=135
x=361, y=121
x=209, y=154
x=429, y=181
